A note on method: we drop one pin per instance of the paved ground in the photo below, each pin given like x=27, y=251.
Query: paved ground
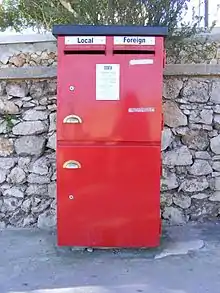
x=188, y=261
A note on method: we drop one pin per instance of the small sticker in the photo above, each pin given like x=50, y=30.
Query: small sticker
x=141, y=110
x=107, y=82
x=141, y=62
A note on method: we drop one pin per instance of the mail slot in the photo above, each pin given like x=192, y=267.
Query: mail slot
x=109, y=124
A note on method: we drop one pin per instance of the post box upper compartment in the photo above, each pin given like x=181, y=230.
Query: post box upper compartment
x=112, y=90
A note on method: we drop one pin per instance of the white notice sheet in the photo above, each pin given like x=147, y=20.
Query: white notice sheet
x=107, y=82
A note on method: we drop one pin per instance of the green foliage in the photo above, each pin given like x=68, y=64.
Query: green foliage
x=8, y=119
x=42, y=14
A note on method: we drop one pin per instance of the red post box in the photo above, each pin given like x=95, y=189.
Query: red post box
x=109, y=122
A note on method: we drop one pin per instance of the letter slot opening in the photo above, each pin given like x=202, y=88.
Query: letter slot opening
x=85, y=52
x=133, y=52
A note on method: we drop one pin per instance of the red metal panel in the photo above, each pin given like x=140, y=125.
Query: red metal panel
x=116, y=196
x=140, y=87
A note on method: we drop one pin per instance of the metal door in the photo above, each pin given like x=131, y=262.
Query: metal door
x=134, y=114
x=108, y=196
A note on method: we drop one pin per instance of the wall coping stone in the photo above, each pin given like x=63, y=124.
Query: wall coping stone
x=44, y=72
x=28, y=38
x=192, y=70
x=34, y=72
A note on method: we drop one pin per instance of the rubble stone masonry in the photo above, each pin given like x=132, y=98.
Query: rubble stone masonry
x=190, y=185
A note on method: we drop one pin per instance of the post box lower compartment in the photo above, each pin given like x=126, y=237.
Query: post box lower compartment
x=108, y=196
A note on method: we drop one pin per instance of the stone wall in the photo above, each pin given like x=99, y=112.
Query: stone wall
x=27, y=153
x=191, y=149
x=25, y=51
x=190, y=186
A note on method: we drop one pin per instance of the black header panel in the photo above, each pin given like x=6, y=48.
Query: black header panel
x=108, y=30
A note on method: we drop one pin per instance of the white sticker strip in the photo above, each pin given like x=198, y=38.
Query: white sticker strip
x=89, y=40
x=141, y=62
x=141, y=110
x=144, y=41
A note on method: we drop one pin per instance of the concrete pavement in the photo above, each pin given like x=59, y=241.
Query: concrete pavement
x=188, y=261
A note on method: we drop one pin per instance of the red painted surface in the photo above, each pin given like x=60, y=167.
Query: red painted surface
x=116, y=192
x=116, y=196
x=140, y=86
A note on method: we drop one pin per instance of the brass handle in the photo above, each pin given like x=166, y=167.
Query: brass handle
x=71, y=165
x=72, y=119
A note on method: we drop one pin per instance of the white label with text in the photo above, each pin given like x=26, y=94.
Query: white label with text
x=85, y=40
x=107, y=82
x=144, y=41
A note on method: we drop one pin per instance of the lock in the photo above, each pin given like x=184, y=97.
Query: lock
x=72, y=88
x=71, y=197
